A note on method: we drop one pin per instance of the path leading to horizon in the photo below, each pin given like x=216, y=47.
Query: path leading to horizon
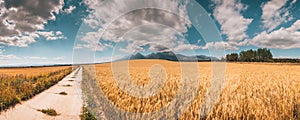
x=68, y=106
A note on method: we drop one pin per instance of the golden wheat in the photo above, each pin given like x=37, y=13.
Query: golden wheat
x=30, y=71
x=251, y=90
x=17, y=84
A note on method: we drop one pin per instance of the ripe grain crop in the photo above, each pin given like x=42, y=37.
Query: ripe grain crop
x=250, y=91
x=17, y=84
x=30, y=71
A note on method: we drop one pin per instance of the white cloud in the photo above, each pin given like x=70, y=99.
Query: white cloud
x=20, y=41
x=158, y=37
x=283, y=38
x=220, y=46
x=181, y=46
x=19, y=20
x=59, y=58
x=90, y=46
x=51, y=35
x=35, y=58
x=140, y=27
x=274, y=14
x=58, y=33
x=233, y=24
x=91, y=41
x=93, y=23
x=69, y=10
x=8, y=57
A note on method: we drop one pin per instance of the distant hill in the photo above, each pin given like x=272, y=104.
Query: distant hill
x=170, y=56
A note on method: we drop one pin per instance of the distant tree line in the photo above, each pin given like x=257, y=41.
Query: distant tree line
x=288, y=60
x=259, y=55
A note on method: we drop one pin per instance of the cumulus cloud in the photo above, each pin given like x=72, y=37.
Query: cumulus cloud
x=221, y=45
x=283, y=38
x=20, y=19
x=181, y=46
x=142, y=22
x=233, y=24
x=152, y=18
x=51, y=35
x=70, y=9
x=19, y=40
x=91, y=41
x=274, y=13
x=158, y=37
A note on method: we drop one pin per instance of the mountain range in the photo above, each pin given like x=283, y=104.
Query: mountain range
x=170, y=56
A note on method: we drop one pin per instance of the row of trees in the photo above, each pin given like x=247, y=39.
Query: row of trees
x=259, y=55
x=287, y=60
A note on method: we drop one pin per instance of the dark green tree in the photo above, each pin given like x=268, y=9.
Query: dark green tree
x=264, y=55
x=247, y=56
x=259, y=55
x=233, y=57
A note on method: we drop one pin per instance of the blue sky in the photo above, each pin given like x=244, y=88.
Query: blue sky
x=51, y=32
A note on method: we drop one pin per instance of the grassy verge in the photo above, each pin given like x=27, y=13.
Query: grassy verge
x=86, y=114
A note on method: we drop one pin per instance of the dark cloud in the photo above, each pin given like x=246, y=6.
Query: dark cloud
x=137, y=22
x=159, y=48
x=4, y=31
x=20, y=19
x=41, y=8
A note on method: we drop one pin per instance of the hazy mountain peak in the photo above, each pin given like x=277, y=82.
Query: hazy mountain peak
x=137, y=56
x=169, y=55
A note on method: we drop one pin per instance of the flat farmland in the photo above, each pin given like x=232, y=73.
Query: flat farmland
x=31, y=71
x=250, y=90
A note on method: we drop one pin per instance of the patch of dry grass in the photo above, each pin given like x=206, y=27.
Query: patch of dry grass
x=49, y=111
x=67, y=85
x=31, y=71
x=63, y=93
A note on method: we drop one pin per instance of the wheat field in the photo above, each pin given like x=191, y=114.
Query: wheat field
x=250, y=90
x=17, y=84
x=30, y=71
